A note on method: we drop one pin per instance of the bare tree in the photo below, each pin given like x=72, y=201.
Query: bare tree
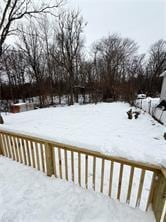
x=69, y=45
x=51, y=55
x=111, y=58
x=33, y=51
x=155, y=66
x=47, y=36
x=13, y=11
x=15, y=68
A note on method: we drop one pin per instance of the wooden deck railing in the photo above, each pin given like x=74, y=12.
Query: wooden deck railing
x=136, y=183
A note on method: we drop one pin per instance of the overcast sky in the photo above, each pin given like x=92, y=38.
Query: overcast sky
x=142, y=20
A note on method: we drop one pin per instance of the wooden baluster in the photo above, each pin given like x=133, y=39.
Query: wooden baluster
x=32, y=154
x=19, y=150
x=54, y=161
x=86, y=171
x=130, y=184
x=79, y=168
x=60, y=162
x=163, y=215
x=66, y=164
x=11, y=141
x=140, y=188
x=4, y=148
x=16, y=149
x=4, y=145
x=72, y=165
x=28, y=152
x=37, y=156
x=102, y=176
x=1, y=146
x=120, y=181
x=94, y=172
x=151, y=191
x=49, y=159
x=8, y=147
x=111, y=178
x=42, y=157
x=23, y=152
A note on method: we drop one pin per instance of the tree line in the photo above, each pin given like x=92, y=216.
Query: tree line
x=49, y=59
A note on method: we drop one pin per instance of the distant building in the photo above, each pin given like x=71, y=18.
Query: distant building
x=163, y=89
x=21, y=107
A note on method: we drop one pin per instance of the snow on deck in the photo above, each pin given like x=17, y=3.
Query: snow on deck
x=28, y=195
x=103, y=127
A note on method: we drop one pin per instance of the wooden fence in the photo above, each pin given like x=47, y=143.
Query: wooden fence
x=129, y=181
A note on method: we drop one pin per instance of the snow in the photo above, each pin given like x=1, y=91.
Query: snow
x=19, y=104
x=28, y=195
x=163, y=74
x=141, y=96
x=103, y=127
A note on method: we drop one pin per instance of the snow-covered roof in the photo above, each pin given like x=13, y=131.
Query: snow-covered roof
x=19, y=104
x=163, y=74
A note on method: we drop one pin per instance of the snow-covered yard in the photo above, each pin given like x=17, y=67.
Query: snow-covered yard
x=27, y=195
x=103, y=127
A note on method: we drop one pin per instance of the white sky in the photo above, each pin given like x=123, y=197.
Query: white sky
x=141, y=20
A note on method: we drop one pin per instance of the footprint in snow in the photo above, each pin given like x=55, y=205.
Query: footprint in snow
x=156, y=138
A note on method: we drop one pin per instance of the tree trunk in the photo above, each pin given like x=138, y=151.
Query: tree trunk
x=71, y=95
x=71, y=82
x=1, y=118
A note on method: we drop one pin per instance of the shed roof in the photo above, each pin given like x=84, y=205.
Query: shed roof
x=18, y=104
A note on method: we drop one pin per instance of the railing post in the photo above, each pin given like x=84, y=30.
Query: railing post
x=159, y=198
x=1, y=151
x=49, y=159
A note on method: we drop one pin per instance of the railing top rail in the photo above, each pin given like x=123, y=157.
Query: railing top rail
x=138, y=164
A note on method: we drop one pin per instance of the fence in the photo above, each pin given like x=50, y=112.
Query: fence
x=147, y=105
x=138, y=184
x=150, y=106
